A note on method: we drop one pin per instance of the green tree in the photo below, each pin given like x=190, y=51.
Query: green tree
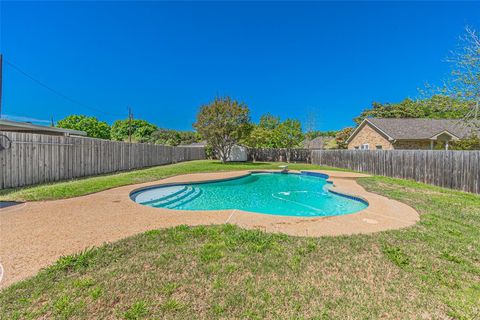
x=141, y=130
x=269, y=121
x=260, y=137
x=223, y=123
x=91, y=125
x=272, y=133
x=470, y=143
x=342, y=136
x=187, y=137
x=289, y=134
x=435, y=107
x=174, y=137
x=263, y=135
x=166, y=137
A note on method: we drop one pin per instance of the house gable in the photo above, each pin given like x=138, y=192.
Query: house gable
x=367, y=134
x=445, y=135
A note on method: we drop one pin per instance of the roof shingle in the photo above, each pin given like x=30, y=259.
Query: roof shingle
x=414, y=128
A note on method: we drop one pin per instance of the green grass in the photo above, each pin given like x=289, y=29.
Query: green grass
x=428, y=271
x=79, y=187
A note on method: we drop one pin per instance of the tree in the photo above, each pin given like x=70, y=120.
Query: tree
x=91, y=125
x=272, y=133
x=141, y=130
x=311, y=122
x=469, y=143
x=223, y=123
x=435, y=107
x=269, y=121
x=263, y=135
x=464, y=83
x=289, y=134
x=342, y=136
x=188, y=137
x=174, y=137
x=260, y=137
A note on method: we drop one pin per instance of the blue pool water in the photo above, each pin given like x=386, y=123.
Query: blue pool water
x=302, y=195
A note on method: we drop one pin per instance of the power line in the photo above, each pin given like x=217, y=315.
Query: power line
x=58, y=93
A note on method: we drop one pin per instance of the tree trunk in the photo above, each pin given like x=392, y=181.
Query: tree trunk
x=223, y=155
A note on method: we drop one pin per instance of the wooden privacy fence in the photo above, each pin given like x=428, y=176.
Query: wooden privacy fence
x=450, y=169
x=287, y=155
x=28, y=159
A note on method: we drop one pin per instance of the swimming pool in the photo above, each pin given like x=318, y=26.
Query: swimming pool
x=303, y=195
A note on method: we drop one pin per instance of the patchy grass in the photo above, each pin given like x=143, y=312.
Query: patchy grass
x=80, y=187
x=428, y=271
x=443, y=250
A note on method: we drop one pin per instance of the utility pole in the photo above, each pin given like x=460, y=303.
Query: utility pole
x=130, y=117
x=1, y=73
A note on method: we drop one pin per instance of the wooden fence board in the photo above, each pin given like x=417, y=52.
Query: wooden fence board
x=36, y=158
x=450, y=169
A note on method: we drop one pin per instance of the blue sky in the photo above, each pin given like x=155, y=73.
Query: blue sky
x=166, y=59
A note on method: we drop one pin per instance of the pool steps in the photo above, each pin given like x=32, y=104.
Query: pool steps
x=163, y=201
x=191, y=196
x=175, y=199
x=166, y=197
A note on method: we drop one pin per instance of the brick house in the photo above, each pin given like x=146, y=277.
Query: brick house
x=407, y=133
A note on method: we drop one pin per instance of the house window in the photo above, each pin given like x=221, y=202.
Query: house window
x=356, y=147
x=365, y=147
x=379, y=147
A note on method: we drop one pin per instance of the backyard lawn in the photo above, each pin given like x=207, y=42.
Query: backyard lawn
x=428, y=271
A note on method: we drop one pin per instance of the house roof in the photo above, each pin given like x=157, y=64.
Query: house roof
x=15, y=126
x=317, y=143
x=419, y=128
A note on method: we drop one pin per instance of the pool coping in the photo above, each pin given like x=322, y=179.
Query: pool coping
x=36, y=234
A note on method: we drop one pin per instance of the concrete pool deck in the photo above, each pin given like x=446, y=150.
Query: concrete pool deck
x=35, y=234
